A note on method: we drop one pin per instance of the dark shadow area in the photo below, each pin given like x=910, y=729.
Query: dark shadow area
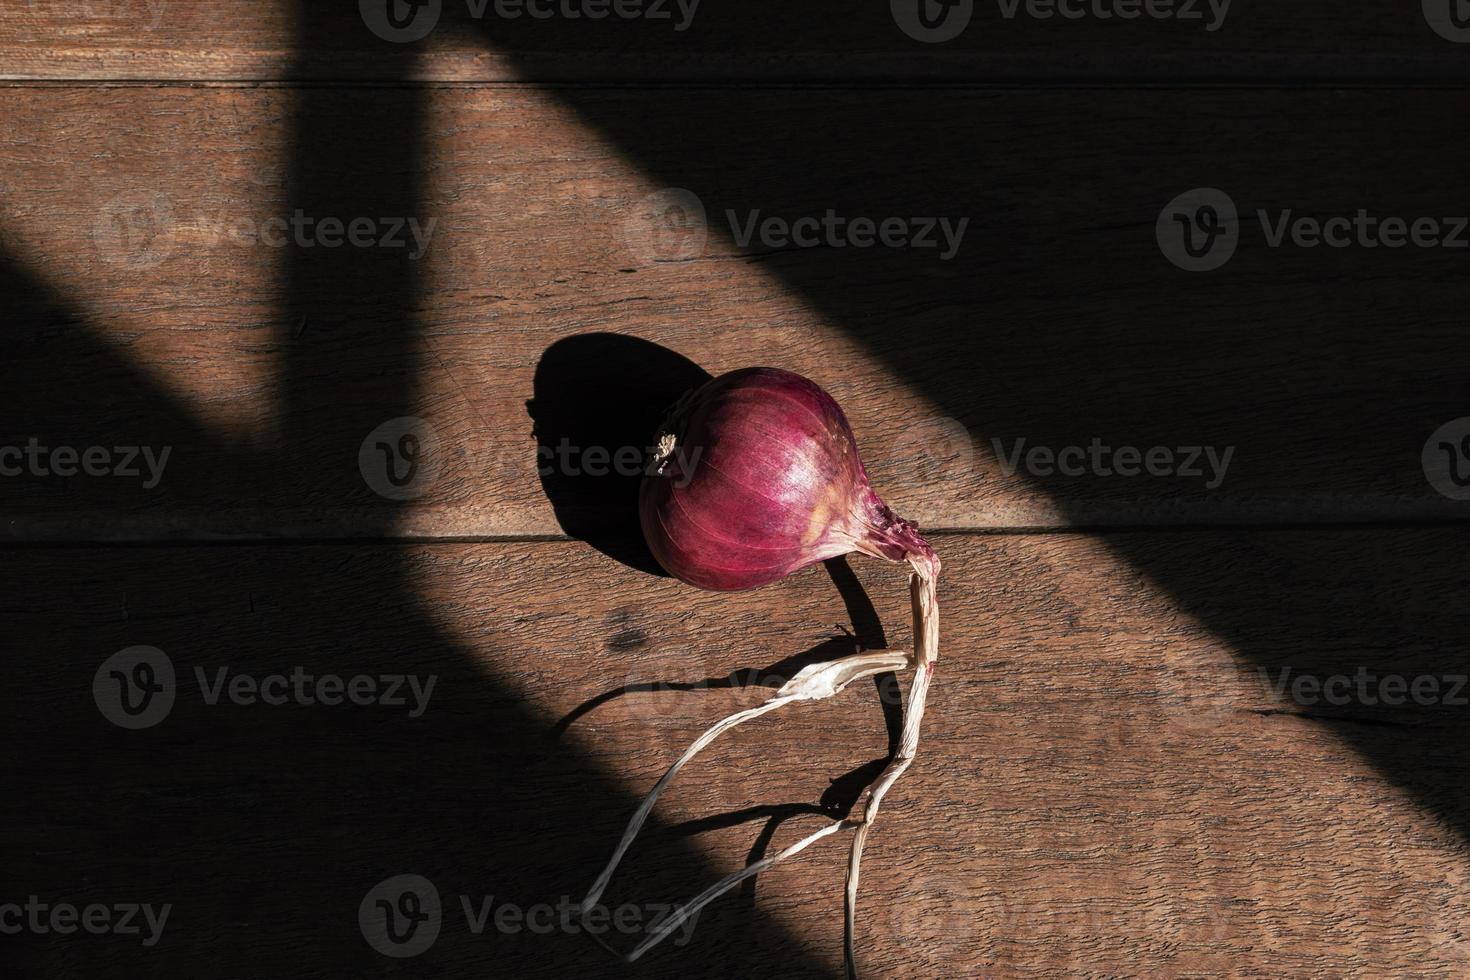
x=775, y=41
x=264, y=827
x=120, y=407
x=606, y=393
x=768, y=677
x=845, y=790
x=1059, y=321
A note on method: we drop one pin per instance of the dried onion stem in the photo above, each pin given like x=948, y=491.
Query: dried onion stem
x=813, y=683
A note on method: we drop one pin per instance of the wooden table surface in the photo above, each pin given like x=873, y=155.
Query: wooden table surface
x=1132, y=763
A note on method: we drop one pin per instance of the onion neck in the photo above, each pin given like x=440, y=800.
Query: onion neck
x=879, y=532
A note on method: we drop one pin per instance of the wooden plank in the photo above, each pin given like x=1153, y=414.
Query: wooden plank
x=1068, y=40
x=1107, y=785
x=152, y=302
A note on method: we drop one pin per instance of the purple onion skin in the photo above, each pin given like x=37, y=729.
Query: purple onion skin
x=763, y=478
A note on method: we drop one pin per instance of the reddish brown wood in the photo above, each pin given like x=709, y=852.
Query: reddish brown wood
x=1106, y=784
x=1057, y=323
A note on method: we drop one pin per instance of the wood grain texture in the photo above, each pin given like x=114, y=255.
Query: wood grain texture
x=1107, y=784
x=761, y=40
x=140, y=252
x=1133, y=763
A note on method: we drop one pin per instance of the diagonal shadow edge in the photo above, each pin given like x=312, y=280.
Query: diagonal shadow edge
x=279, y=854
x=1410, y=760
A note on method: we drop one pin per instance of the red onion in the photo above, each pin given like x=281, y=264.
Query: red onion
x=757, y=476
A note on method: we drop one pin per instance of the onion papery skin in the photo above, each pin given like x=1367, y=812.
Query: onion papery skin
x=760, y=476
